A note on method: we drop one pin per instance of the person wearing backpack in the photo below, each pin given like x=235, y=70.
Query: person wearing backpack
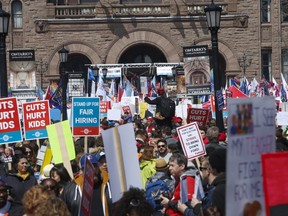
x=159, y=184
x=165, y=109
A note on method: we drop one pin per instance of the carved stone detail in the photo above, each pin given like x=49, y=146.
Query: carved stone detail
x=241, y=22
x=41, y=26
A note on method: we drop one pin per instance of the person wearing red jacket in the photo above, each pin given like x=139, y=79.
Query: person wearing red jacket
x=184, y=184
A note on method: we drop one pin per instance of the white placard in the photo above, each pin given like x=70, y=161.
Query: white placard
x=251, y=132
x=191, y=140
x=122, y=160
x=181, y=111
x=114, y=114
x=282, y=118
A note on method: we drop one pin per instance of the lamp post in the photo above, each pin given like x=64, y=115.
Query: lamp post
x=95, y=70
x=41, y=68
x=63, y=55
x=244, y=62
x=213, y=15
x=4, y=24
x=174, y=72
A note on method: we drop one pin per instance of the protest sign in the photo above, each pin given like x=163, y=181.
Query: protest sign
x=85, y=116
x=10, y=128
x=36, y=117
x=88, y=184
x=251, y=132
x=274, y=180
x=122, y=160
x=104, y=106
x=143, y=107
x=126, y=109
x=62, y=144
x=198, y=115
x=114, y=114
x=191, y=140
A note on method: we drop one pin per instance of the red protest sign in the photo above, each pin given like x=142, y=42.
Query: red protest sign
x=104, y=106
x=36, y=116
x=126, y=109
x=88, y=184
x=9, y=116
x=275, y=193
x=197, y=115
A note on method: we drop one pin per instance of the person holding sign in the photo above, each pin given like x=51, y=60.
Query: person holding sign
x=184, y=185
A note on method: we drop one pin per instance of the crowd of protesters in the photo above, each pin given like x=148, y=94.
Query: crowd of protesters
x=24, y=192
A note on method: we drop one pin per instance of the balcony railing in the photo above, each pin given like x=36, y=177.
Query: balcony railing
x=75, y=11
x=199, y=9
x=141, y=10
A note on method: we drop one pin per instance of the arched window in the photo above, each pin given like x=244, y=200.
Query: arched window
x=17, y=14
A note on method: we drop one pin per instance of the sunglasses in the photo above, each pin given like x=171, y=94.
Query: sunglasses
x=161, y=146
x=203, y=168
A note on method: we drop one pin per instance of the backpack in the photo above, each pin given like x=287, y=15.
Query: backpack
x=153, y=191
x=167, y=107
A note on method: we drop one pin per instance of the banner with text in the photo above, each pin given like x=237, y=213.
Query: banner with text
x=85, y=116
x=36, y=117
x=10, y=127
x=198, y=115
x=251, y=132
x=191, y=140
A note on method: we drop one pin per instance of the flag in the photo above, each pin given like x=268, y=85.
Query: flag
x=153, y=84
x=120, y=90
x=91, y=75
x=235, y=82
x=93, y=89
x=252, y=87
x=53, y=87
x=264, y=87
x=9, y=90
x=48, y=94
x=100, y=89
x=283, y=94
x=128, y=87
x=244, y=86
x=56, y=99
x=39, y=92
x=276, y=90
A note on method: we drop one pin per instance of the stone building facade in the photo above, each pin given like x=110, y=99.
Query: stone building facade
x=112, y=32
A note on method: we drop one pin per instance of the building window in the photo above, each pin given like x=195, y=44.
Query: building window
x=284, y=10
x=266, y=63
x=284, y=63
x=140, y=1
x=17, y=15
x=265, y=11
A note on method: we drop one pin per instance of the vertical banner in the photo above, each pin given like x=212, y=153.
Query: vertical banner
x=251, y=132
x=274, y=179
x=122, y=160
x=36, y=116
x=85, y=116
x=88, y=184
x=10, y=127
x=196, y=65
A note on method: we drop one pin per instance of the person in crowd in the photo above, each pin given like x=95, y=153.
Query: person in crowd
x=173, y=148
x=184, y=184
x=203, y=131
x=8, y=207
x=46, y=172
x=38, y=201
x=127, y=117
x=20, y=181
x=213, y=170
x=167, y=135
x=162, y=172
x=51, y=185
x=133, y=203
x=213, y=137
x=158, y=101
x=281, y=141
x=102, y=163
x=147, y=164
x=150, y=125
x=60, y=174
x=162, y=150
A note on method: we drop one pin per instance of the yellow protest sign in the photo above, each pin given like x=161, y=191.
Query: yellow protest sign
x=143, y=107
x=62, y=144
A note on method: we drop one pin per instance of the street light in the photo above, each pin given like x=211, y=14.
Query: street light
x=95, y=71
x=213, y=15
x=244, y=62
x=41, y=68
x=174, y=72
x=63, y=55
x=4, y=24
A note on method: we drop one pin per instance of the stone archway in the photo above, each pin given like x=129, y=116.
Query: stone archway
x=74, y=48
x=152, y=38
